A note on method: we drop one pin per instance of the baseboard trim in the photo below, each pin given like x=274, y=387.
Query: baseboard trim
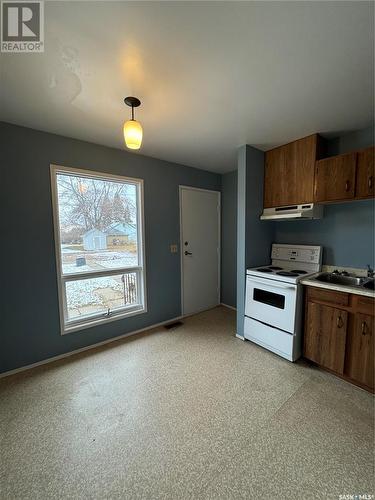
x=86, y=348
x=240, y=337
x=228, y=306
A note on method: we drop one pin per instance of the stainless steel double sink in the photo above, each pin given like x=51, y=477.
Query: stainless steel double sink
x=340, y=279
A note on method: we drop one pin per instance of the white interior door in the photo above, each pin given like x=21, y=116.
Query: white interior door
x=200, y=249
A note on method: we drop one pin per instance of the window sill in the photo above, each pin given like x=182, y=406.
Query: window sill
x=75, y=327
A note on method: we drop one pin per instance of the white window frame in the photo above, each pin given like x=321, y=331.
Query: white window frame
x=68, y=326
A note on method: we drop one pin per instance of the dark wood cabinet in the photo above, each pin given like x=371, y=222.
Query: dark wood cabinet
x=289, y=173
x=360, y=352
x=335, y=178
x=295, y=174
x=275, y=167
x=365, y=173
x=325, y=336
x=339, y=334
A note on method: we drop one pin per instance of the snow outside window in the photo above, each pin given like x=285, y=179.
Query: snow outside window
x=99, y=246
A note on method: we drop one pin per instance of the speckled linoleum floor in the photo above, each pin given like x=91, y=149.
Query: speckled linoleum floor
x=191, y=412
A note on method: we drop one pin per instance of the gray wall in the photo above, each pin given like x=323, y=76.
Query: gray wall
x=350, y=141
x=29, y=319
x=346, y=233
x=228, y=238
x=254, y=238
x=259, y=236
x=241, y=238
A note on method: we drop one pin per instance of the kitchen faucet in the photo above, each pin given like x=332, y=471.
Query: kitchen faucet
x=340, y=273
x=370, y=271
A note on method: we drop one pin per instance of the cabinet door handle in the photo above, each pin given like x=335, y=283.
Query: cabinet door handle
x=363, y=327
x=347, y=186
x=370, y=181
x=339, y=322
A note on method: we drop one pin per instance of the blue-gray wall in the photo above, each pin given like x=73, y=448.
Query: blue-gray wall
x=29, y=319
x=259, y=236
x=350, y=141
x=241, y=238
x=346, y=233
x=254, y=238
x=228, y=238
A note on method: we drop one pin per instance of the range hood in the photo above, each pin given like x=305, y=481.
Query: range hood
x=293, y=212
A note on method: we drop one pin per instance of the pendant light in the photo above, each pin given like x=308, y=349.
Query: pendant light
x=132, y=129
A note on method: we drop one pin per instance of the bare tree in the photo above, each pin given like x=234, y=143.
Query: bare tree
x=93, y=203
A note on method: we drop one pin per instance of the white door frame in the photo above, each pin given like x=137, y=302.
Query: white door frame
x=180, y=189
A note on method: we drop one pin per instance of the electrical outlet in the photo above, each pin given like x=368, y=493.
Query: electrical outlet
x=173, y=248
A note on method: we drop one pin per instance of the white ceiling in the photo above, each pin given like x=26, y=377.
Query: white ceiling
x=211, y=75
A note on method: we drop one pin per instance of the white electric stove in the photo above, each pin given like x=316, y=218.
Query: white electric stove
x=273, y=304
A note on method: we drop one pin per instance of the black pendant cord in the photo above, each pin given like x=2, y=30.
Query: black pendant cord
x=133, y=102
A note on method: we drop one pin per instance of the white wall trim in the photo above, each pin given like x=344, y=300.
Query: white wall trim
x=87, y=348
x=228, y=306
x=240, y=337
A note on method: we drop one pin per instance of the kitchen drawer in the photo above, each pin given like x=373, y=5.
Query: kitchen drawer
x=282, y=343
x=329, y=296
x=365, y=305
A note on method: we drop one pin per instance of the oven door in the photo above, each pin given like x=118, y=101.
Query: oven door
x=271, y=302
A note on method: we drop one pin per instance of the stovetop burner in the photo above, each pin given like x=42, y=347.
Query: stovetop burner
x=287, y=273
x=281, y=271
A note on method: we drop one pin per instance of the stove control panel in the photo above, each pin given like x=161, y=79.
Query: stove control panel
x=297, y=253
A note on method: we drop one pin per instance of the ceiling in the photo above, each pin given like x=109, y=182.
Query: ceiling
x=211, y=75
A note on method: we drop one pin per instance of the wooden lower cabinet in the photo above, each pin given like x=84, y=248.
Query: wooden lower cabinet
x=325, y=336
x=339, y=335
x=359, y=363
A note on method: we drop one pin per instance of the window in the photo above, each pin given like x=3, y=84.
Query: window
x=99, y=246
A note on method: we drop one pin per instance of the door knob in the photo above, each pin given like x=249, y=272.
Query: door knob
x=188, y=253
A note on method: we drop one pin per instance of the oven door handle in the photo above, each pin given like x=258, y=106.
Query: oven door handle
x=272, y=283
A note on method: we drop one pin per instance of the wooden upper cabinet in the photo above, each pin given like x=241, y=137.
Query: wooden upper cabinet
x=365, y=174
x=325, y=336
x=294, y=174
x=360, y=352
x=289, y=173
x=335, y=178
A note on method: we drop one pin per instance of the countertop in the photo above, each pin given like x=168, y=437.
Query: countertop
x=337, y=288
